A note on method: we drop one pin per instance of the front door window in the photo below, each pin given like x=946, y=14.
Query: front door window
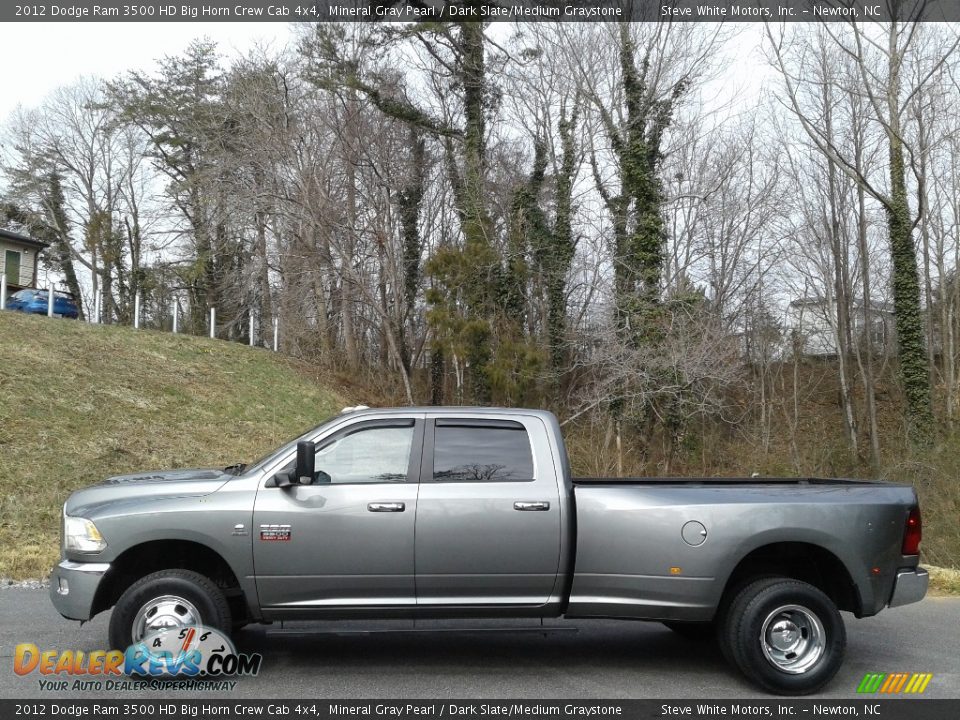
x=370, y=455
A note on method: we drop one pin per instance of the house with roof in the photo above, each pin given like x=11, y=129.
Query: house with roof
x=813, y=324
x=19, y=256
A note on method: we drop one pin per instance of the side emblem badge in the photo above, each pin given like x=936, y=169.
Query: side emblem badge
x=239, y=529
x=275, y=533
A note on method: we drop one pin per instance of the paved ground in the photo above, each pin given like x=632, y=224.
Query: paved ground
x=603, y=659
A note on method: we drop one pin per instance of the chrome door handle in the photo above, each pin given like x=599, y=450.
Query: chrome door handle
x=532, y=506
x=386, y=507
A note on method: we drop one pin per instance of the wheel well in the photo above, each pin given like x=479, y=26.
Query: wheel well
x=800, y=561
x=141, y=560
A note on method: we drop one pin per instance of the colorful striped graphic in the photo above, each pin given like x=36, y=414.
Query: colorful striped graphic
x=893, y=683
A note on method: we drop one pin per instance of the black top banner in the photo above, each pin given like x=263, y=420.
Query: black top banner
x=483, y=10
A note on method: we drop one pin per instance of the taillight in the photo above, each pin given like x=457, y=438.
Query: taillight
x=913, y=533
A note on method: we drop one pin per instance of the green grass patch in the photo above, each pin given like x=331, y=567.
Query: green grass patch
x=79, y=403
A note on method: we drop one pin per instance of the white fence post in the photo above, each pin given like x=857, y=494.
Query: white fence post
x=3, y=291
x=251, y=329
x=97, y=302
x=136, y=311
x=213, y=322
x=276, y=335
x=50, y=298
x=176, y=306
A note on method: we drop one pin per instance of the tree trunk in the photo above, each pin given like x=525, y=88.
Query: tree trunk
x=924, y=219
x=346, y=283
x=865, y=355
x=263, y=278
x=840, y=285
x=437, y=373
x=564, y=245
x=906, y=284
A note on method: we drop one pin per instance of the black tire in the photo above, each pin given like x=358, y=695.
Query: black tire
x=723, y=612
x=693, y=630
x=811, y=653
x=206, y=598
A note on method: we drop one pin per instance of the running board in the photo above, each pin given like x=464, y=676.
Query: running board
x=306, y=632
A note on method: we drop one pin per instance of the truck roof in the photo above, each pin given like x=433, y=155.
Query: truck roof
x=448, y=410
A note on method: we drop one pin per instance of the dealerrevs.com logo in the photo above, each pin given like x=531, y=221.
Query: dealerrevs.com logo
x=188, y=652
x=895, y=683
x=177, y=653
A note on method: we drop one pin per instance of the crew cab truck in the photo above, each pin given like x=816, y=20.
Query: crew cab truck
x=472, y=512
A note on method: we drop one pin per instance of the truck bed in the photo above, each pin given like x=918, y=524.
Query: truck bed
x=694, y=531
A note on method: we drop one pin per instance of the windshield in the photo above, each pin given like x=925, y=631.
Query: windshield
x=285, y=448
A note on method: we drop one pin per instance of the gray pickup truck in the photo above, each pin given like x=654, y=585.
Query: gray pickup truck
x=472, y=512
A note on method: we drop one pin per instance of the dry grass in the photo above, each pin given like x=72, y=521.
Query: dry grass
x=944, y=581
x=80, y=403
x=935, y=474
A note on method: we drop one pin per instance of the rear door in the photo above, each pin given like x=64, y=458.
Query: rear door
x=488, y=513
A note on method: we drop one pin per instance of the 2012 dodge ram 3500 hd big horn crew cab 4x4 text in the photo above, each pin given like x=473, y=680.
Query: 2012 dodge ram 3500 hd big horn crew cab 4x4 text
x=472, y=512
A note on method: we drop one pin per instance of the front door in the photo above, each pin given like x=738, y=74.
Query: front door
x=346, y=540
x=488, y=515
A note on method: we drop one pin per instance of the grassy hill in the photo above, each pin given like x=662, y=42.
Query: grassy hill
x=80, y=402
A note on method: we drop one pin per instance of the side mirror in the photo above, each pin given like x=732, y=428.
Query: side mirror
x=306, y=459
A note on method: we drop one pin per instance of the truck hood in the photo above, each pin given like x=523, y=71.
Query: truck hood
x=140, y=487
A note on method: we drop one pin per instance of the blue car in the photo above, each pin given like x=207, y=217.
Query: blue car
x=35, y=301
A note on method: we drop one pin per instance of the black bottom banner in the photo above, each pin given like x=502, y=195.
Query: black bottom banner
x=888, y=709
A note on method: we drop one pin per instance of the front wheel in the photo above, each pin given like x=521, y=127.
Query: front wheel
x=785, y=635
x=167, y=600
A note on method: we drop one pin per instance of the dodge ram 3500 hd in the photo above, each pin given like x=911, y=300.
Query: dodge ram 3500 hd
x=472, y=512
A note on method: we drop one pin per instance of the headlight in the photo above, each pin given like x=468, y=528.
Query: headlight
x=81, y=535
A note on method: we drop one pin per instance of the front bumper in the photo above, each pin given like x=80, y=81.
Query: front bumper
x=73, y=586
x=909, y=587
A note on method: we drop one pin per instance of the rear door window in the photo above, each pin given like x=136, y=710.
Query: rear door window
x=481, y=451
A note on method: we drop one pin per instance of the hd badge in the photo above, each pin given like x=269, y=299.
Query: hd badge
x=275, y=533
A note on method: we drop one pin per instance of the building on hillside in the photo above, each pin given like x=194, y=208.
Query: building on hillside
x=19, y=257
x=812, y=323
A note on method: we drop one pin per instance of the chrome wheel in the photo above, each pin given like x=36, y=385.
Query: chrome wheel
x=164, y=613
x=792, y=639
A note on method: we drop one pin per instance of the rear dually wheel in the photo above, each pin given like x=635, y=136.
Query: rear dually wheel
x=785, y=635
